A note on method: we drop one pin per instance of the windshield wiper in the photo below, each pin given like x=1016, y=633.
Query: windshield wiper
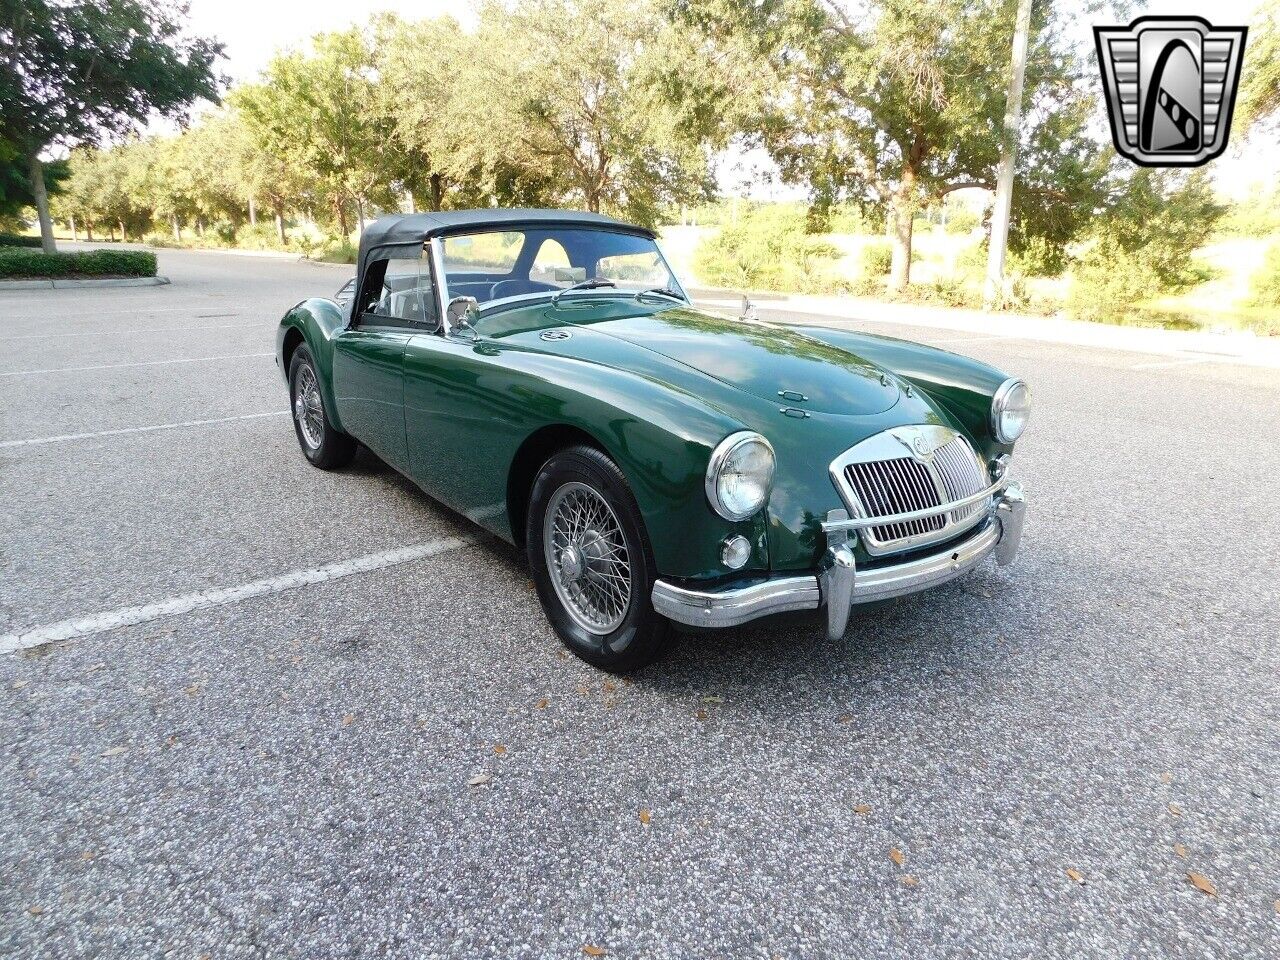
x=662, y=292
x=589, y=284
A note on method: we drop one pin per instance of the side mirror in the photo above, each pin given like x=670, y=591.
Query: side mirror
x=748, y=310
x=460, y=312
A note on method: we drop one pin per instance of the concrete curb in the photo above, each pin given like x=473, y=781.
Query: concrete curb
x=87, y=283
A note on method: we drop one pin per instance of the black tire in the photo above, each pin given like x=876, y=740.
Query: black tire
x=332, y=449
x=642, y=635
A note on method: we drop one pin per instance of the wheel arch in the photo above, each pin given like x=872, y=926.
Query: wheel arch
x=536, y=450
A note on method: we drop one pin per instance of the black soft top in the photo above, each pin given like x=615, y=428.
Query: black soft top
x=409, y=231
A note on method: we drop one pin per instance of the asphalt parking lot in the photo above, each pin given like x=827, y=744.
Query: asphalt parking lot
x=285, y=771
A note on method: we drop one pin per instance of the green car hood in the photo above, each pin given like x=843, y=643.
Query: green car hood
x=772, y=363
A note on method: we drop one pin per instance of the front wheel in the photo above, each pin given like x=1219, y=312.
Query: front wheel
x=592, y=563
x=322, y=443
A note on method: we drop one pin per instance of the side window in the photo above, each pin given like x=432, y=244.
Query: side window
x=552, y=266
x=406, y=292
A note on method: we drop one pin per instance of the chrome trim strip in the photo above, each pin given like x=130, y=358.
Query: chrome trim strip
x=861, y=523
x=841, y=584
x=442, y=284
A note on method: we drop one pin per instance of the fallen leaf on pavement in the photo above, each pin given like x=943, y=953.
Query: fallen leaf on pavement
x=541, y=704
x=1175, y=809
x=192, y=690
x=349, y=719
x=591, y=950
x=896, y=856
x=479, y=780
x=1202, y=883
x=115, y=751
x=499, y=749
x=35, y=911
x=1166, y=778
x=910, y=880
x=1180, y=850
x=645, y=817
x=1076, y=875
x=1278, y=906
x=19, y=684
x=712, y=698
x=701, y=714
x=862, y=808
x=87, y=855
x=845, y=718
x=610, y=686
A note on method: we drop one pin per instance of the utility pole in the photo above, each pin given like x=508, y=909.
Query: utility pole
x=993, y=292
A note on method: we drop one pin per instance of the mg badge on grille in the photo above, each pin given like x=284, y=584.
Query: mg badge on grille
x=921, y=446
x=1170, y=85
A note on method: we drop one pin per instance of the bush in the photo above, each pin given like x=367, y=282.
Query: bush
x=769, y=249
x=16, y=262
x=18, y=240
x=876, y=258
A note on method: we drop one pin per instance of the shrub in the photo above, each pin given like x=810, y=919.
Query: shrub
x=16, y=262
x=876, y=258
x=769, y=249
x=18, y=240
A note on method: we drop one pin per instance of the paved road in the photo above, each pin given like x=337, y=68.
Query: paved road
x=283, y=771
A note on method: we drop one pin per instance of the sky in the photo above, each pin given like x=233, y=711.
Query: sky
x=253, y=30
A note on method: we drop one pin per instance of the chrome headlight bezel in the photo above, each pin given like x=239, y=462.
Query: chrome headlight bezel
x=1000, y=405
x=720, y=457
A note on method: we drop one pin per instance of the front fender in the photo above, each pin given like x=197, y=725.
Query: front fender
x=317, y=321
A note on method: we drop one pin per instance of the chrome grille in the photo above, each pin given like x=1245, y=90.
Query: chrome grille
x=886, y=487
x=878, y=480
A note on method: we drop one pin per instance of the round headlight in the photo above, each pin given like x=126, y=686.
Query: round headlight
x=1010, y=410
x=739, y=475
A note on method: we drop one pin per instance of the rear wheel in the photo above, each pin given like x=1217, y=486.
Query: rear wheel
x=592, y=563
x=322, y=443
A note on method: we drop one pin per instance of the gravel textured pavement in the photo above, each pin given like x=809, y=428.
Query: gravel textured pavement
x=1027, y=762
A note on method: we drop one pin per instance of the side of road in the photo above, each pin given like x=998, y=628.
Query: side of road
x=82, y=283
x=1192, y=346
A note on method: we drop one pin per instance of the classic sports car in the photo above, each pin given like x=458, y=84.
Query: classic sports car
x=544, y=373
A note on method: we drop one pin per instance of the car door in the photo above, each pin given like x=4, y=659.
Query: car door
x=368, y=356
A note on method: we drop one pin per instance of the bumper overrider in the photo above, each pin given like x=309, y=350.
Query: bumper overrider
x=839, y=584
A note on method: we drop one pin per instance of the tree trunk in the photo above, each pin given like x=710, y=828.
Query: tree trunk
x=903, y=212
x=111, y=233
x=75, y=234
x=342, y=219
x=88, y=230
x=437, y=191
x=177, y=230
x=993, y=293
x=279, y=212
x=360, y=213
x=35, y=170
x=124, y=236
x=253, y=212
x=200, y=227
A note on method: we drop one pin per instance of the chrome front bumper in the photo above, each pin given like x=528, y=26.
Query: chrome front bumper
x=840, y=584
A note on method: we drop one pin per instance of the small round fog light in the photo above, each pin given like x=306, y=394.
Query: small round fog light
x=735, y=552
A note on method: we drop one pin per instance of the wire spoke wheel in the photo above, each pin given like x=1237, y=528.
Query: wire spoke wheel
x=587, y=557
x=308, y=408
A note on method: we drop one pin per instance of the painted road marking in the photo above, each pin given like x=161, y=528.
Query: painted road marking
x=132, y=616
x=64, y=437
x=1183, y=362
x=112, y=333
x=139, y=363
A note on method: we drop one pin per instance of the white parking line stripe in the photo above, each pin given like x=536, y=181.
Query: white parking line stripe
x=112, y=333
x=1184, y=362
x=131, y=616
x=140, y=363
x=965, y=339
x=64, y=437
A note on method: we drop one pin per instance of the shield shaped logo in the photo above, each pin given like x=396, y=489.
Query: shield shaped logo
x=1171, y=87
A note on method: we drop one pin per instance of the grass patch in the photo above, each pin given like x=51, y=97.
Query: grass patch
x=22, y=263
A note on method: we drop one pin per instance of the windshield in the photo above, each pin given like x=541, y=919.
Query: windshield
x=498, y=264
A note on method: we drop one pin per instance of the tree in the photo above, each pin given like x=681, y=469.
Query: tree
x=578, y=92
x=1260, y=82
x=899, y=102
x=74, y=72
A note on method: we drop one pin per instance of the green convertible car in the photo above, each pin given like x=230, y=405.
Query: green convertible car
x=544, y=373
